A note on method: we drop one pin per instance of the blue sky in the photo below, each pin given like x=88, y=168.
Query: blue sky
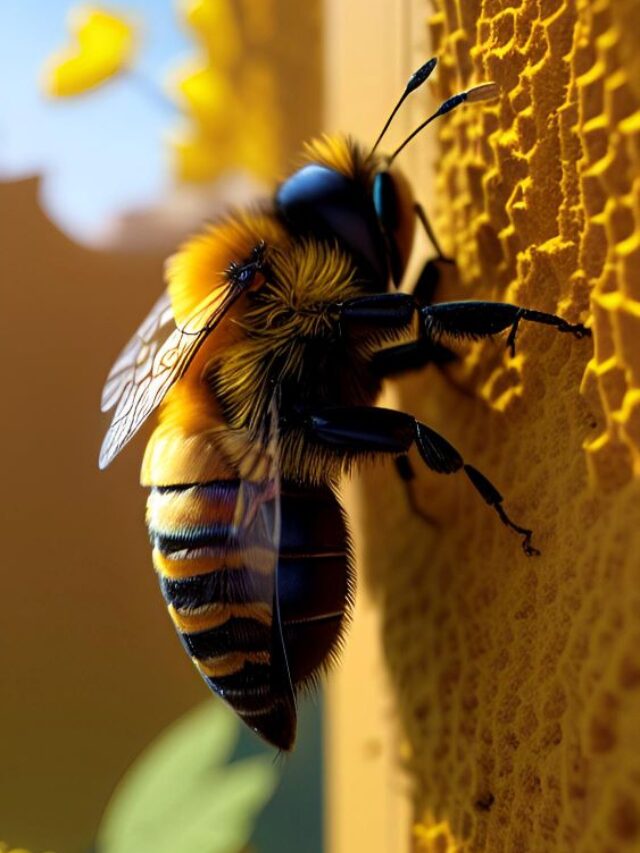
x=99, y=153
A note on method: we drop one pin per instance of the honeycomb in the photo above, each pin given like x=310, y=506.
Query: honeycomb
x=518, y=679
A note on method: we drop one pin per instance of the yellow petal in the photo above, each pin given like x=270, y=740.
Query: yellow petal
x=214, y=23
x=103, y=45
x=208, y=97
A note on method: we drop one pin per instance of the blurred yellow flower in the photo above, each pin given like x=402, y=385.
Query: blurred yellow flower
x=103, y=45
x=208, y=97
x=214, y=24
x=228, y=94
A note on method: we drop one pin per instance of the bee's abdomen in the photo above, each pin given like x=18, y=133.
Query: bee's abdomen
x=219, y=594
x=314, y=577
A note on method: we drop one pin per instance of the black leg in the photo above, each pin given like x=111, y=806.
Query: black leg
x=408, y=477
x=426, y=286
x=472, y=319
x=424, y=221
x=379, y=311
x=415, y=355
x=372, y=430
x=412, y=356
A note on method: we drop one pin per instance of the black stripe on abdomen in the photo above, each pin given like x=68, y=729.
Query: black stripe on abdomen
x=206, y=574
x=227, y=586
x=218, y=487
x=234, y=635
x=210, y=537
x=250, y=690
x=191, y=517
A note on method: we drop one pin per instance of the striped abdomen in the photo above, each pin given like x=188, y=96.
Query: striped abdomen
x=255, y=621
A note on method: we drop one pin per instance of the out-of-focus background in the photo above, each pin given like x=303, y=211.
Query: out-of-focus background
x=97, y=188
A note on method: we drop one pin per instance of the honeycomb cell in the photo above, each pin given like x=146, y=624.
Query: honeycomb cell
x=518, y=682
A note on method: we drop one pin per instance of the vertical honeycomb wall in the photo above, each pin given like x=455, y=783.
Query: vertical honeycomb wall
x=518, y=680
x=545, y=188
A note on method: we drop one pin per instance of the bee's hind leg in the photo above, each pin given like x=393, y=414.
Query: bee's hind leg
x=362, y=430
x=408, y=477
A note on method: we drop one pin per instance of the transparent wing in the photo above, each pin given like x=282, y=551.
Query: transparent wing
x=154, y=359
x=136, y=358
x=256, y=534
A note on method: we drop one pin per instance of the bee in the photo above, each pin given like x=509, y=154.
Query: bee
x=265, y=357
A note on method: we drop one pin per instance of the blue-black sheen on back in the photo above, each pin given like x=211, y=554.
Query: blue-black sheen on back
x=322, y=202
x=314, y=578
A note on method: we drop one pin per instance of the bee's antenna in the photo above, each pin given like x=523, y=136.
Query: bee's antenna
x=415, y=81
x=483, y=92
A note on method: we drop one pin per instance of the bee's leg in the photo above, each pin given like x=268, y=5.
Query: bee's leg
x=415, y=355
x=426, y=286
x=408, y=477
x=363, y=430
x=431, y=235
x=473, y=319
x=419, y=354
x=378, y=311
x=391, y=311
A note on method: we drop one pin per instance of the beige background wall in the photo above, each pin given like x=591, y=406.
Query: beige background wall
x=90, y=668
x=371, y=50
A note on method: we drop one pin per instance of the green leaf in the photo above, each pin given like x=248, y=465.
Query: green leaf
x=181, y=796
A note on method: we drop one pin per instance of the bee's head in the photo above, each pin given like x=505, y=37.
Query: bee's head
x=360, y=203
x=330, y=199
x=363, y=202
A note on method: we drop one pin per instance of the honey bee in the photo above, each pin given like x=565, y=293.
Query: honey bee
x=265, y=356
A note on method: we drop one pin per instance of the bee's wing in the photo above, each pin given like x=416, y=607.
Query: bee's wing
x=256, y=533
x=152, y=361
x=136, y=357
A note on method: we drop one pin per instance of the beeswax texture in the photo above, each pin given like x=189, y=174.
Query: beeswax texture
x=518, y=679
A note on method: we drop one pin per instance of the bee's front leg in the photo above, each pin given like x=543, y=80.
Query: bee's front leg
x=378, y=311
x=391, y=311
x=403, y=358
x=365, y=430
x=470, y=319
x=473, y=319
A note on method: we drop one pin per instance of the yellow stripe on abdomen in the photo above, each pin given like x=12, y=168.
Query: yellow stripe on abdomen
x=217, y=613
x=229, y=664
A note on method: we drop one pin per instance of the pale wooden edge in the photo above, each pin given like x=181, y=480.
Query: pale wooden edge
x=371, y=46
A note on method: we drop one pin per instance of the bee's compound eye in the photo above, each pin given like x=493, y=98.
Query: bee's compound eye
x=245, y=274
x=393, y=202
x=385, y=200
